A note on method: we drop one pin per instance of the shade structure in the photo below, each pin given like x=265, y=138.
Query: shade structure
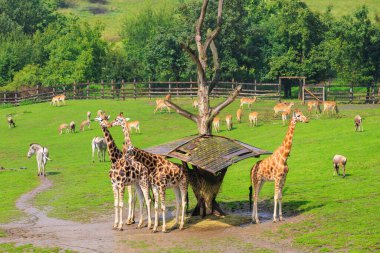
x=208, y=152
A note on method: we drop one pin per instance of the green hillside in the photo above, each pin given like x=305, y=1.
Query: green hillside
x=112, y=12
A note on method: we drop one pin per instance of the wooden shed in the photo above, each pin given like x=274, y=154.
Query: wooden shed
x=208, y=152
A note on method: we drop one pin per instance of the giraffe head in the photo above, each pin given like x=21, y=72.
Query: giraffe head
x=103, y=120
x=299, y=117
x=119, y=121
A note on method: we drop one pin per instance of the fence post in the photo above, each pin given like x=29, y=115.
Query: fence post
x=15, y=98
x=373, y=93
x=53, y=91
x=351, y=94
x=113, y=89
x=102, y=83
x=170, y=87
x=134, y=89
x=87, y=88
x=74, y=90
x=177, y=89
x=123, y=89
x=255, y=87
x=5, y=98
x=149, y=90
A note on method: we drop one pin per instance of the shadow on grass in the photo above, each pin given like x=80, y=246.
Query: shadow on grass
x=52, y=173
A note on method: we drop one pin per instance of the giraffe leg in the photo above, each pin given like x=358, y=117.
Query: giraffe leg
x=145, y=191
x=121, y=206
x=116, y=205
x=183, y=198
x=141, y=203
x=163, y=208
x=280, y=197
x=276, y=189
x=177, y=193
x=255, y=215
x=155, y=194
x=131, y=199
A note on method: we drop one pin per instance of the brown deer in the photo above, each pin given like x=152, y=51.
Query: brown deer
x=313, y=104
x=84, y=123
x=280, y=107
x=330, y=106
x=239, y=113
x=229, y=122
x=248, y=101
x=358, y=123
x=134, y=124
x=216, y=123
x=253, y=118
x=62, y=127
x=339, y=160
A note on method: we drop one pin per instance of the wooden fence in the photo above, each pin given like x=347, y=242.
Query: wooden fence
x=133, y=90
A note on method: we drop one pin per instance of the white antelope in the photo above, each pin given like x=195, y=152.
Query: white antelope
x=358, y=123
x=42, y=156
x=253, y=118
x=339, y=161
x=216, y=123
x=229, y=122
x=248, y=101
x=100, y=145
x=280, y=107
x=62, y=127
x=11, y=122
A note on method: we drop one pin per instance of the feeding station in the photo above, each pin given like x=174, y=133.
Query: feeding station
x=209, y=157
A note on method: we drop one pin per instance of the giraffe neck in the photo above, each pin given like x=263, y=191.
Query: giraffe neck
x=113, y=151
x=286, y=146
x=142, y=156
x=127, y=138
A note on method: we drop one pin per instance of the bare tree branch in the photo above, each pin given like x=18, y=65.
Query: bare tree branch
x=181, y=111
x=220, y=10
x=210, y=37
x=201, y=18
x=215, y=57
x=226, y=102
x=192, y=55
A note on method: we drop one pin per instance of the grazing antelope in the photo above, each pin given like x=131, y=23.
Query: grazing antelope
x=84, y=123
x=338, y=161
x=284, y=115
x=195, y=104
x=280, y=107
x=215, y=124
x=239, y=113
x=57, y=99
x=330, y=106
x=11, y=122
x=89, y=116
x=100, y=145
x=63, y=127
x=229, y=122
x=358, y=123
x=253, y=118
x=313, y=104
x=248, y=101
x=42, y=156
x=72, y=127
x=160, y=104
x=134, y=124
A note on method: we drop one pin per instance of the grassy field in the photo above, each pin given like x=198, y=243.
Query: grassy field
x=112, y=13
x=339, y=214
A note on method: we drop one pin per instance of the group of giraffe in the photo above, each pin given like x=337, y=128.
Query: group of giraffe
x=143, y=170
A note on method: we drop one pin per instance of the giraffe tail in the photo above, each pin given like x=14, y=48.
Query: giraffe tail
x=250, y=198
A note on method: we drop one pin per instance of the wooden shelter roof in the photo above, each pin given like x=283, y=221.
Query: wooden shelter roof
x=209, y=152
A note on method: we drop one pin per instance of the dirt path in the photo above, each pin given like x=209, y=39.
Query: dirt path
x=200, y=235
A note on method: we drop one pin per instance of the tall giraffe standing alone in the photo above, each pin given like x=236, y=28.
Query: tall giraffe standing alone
x=274, y=168
x=163, y=174
x=125, y=171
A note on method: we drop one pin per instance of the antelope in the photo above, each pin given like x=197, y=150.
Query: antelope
x=160, y=104
x=11, y=122
x=253, y=118
x=239, y=113
x=248, y=101
x=215, y=124
x=84, y=123
x=72, y=127
x=315, y=104
x=134, y=124
x=59, y=98
x=88, y=115
x=284, y=115
x=168, y=96
x=338, y=161
x=358, y=123
x=280, y=107
x=62, y=127
x=195, y=104
x=229, y=122
x=330, y=106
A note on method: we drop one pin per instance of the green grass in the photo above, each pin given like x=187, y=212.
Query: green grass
x=12, y=248
x=116, y=12
x=339, y=214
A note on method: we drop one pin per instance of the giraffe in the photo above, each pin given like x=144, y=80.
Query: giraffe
x=163, y=174
x=125, y=172
x=274, y=168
